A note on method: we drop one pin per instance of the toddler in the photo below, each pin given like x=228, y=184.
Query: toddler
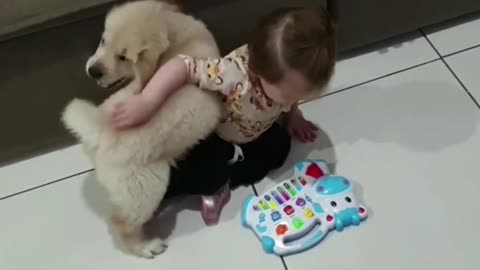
x=290, y=55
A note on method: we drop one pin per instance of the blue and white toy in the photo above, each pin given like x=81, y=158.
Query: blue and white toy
x=298, y=213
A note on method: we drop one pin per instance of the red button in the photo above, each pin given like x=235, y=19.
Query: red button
x=303, y=182
x=288, y=210
x=314, y=171
x=281, y=229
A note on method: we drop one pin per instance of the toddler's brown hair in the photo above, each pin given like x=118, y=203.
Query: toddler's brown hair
x=297, y=38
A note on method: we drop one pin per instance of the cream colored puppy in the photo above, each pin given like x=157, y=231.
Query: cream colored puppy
x=134, y=165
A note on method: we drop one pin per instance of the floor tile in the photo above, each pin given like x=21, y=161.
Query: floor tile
x=42, y=169
x=455, y=35
x=410, y=144
x=465, y=66
x=60, y=227
x=381, y=59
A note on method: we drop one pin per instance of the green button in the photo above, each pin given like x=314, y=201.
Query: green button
x=290, y=189
x=297, y=223
x=263, y=205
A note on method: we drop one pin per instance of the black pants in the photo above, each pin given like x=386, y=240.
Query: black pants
x=206, y=169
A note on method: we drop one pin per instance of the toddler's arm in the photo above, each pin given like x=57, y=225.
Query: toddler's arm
x=138, y=109
x=216, y=74
x=222, y=75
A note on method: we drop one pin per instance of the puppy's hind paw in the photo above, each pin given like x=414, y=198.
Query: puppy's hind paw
x=153, y=247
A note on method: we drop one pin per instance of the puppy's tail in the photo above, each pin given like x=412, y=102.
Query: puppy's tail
x=84, y=120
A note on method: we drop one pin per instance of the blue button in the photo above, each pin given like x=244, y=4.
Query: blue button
x=261, y=229
x=276, y=216
x=268, y=244
x=261, y=218
x=318, y=208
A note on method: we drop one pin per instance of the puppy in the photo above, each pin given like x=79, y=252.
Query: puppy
x=134, y=165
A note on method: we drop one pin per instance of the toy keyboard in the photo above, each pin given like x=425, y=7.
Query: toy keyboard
x=298, y=213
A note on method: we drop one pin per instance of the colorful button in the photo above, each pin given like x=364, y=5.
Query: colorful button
x=297, y=185
x=255, y=208
x=309, y=214
x=288, y=210
x=273, y=205
x=297, y=223
x=276, y=216
x=290, y=189
x=318, y=208
x=281, y=229
x=261, y=218
x=277, y=197
x=302, y=181
x=300, y=202
x=314, y=171
x=283, y=193
x=263, y=205
x=261, y=229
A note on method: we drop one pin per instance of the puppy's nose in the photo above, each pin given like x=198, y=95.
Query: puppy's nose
x=95, y=72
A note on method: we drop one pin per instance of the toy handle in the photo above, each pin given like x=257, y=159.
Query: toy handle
x=313, y=237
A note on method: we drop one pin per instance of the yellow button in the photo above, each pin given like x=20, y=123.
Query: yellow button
x=273, y=205
x=309, y=213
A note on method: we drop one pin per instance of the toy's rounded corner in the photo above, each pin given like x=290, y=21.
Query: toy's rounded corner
x=245, y=223
x=268, y=244
x=246, y=205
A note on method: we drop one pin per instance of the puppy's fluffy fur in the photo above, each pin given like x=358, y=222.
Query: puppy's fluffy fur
x=134, y=165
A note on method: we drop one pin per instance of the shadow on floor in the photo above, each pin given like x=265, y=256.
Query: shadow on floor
x=165, y=219
x=410, y=120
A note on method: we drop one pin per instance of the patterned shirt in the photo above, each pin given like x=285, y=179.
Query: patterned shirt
x=248, y=111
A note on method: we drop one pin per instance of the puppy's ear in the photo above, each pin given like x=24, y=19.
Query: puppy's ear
x=133, y=53
x=148, y=49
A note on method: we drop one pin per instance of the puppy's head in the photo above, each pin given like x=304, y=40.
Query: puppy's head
x=131, y=45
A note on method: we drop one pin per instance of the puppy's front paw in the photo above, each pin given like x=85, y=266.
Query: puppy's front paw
x=152, y=248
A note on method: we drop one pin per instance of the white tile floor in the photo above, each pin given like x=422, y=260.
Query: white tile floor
x=397, y=121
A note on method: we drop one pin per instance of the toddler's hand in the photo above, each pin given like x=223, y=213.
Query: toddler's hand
x=302, y=129
x=131, y=113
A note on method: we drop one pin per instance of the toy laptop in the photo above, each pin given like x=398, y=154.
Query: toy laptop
x=298, y=213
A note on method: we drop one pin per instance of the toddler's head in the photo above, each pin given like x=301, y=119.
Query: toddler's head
x=292, y=51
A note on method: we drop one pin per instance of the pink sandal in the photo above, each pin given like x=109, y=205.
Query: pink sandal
x=212, y=206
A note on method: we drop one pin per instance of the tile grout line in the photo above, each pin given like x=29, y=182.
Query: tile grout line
x=450, y=69
x=44, y=185
x=461, y=51
x=374, y=79
x=284, y=262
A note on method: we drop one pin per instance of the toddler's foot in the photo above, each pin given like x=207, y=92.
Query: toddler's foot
x=212, y=206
